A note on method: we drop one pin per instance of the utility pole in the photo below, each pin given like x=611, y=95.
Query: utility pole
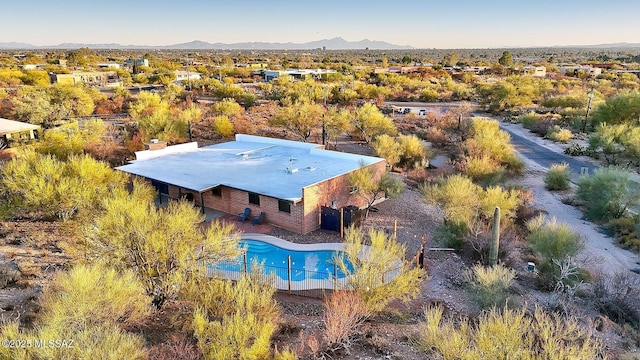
x=324, y=129
x=188, y=74
x=586, y=117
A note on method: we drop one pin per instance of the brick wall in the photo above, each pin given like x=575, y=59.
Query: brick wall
x=324, y=193
x=304, y=216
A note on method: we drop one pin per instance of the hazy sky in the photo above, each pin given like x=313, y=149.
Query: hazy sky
x=422, y=24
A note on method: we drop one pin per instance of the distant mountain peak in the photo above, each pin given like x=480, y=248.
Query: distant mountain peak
x=336, y=43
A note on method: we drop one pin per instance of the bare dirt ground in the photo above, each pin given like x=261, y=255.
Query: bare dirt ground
x=601, y=252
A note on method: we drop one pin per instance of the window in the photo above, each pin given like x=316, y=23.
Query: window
x=354, y=189
x=216, y=191
x=254, y=199
x=284, y=206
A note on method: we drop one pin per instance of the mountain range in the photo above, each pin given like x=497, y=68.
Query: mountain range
x=337, y=43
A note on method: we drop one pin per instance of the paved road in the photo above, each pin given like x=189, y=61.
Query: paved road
x=545, y=157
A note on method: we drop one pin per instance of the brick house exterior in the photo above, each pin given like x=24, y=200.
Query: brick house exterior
x=301, y=213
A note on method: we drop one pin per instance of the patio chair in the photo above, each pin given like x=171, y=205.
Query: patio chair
x=257, y=220
x=245, y=215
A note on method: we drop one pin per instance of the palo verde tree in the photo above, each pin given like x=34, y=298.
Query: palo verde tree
x=379, y=271
x=86, y=310
x=233, y=320
x=161, y=245
x=623, y=108
x=45, y=185
x=369, y=122
x=364, y=183
x=300, y=118
x=336, y=123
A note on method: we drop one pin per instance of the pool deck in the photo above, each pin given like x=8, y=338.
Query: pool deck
x=284, y=244
x=247, y=226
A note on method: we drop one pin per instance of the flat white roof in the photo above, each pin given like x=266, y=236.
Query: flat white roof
x=272, y=167
x=9, y=126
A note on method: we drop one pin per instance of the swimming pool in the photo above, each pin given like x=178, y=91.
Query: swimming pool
x=290, y=266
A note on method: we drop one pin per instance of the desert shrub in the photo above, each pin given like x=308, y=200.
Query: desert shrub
x=436, y=136
x=93, y=296
x=558, y=177
x=488, y=140
x=457, y=195
x=96, y=342
x=529, y=120
x=552, y=239
x=489, y=286
x=558, y=134
x=233, y=321
x=506, y=334
x=87, y=305
x=379, y=272
x=236, y=336
x=177, y=348
x=428, y=95
x=462, y=200
x=219, y=298
x=556, y=244
x=162, y=246
x=483, y=169
x=507, y=199
x=387, y=147
x=223, y=126
x=608, y=193
x=62, y=189
x=536, y=123
x=344, y=314
x=616, y=296
x=451, y=234
x=414, y=152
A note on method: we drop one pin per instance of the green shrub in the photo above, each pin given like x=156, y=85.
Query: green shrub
x=88, y=305
x=233, y=320
x=223, y=126
x=529, y=120
x=553, y=240
x=387, y=147
x=556, y=244
x=483, y=169
x=92, y=296
x=488, y=286
x=451, y=234
x=558, y=177
x=369, y=270
x=608, y=193
x=507, y=334
x=558, y=134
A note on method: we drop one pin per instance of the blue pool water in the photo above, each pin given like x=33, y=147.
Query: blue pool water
x=318, y=264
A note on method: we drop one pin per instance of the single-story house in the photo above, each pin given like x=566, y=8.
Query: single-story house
x=95, y=78
x=183, y=75
x=287, y=180
x=10, y=129
x=297, y=74
x=15, y=131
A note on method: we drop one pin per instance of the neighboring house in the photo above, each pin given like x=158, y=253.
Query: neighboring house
x=14, y=133
x=297, y=74
x=592, y=71
x=182, y=75
x=137, y=62
x=287, y=180
x=94, y=78
x=535, y=71
x=108, y=66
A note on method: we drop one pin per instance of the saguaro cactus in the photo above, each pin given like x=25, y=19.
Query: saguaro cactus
x=495, y=238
